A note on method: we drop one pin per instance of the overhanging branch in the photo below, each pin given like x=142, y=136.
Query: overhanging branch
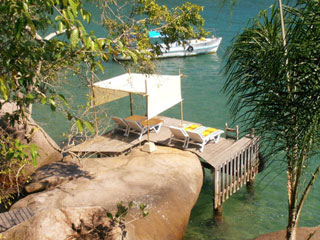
x=307, y=190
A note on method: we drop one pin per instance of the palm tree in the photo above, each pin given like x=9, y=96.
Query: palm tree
x=274, y=86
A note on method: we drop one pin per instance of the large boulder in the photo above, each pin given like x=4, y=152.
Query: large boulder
x=48, y=150
x=92, y=224
x=167, y=180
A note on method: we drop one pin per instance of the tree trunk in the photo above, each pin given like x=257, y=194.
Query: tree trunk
x=292, y=224
x=292, y=200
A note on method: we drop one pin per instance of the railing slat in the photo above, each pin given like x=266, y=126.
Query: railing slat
x=228, y=183
x=235, y=172
x=223, y=183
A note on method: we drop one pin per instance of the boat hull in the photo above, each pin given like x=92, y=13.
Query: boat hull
x=190, y=48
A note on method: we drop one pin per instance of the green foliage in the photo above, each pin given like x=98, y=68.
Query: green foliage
x=142, y=207
x=103, y=225
x=32, y=61
x=123, y=210
x=130, y=34
x=14, y=156
x=40, y=40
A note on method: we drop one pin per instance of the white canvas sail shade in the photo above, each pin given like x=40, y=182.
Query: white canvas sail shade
x=163, y=95
x=161, y=91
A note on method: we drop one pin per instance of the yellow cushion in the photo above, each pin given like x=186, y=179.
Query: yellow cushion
x=192, y=127
x=208, y=131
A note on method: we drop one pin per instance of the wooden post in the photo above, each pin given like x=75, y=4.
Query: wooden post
x=238, y=171
x=250, y=186
x=223, y=184
x=203, y=174
x=181, y=105
x=214, y=188
x=147, y=105
x=217, y=206
x=131, y=104
x=148, y=132
x=250, y=181
x=231, y=175
x=94, y=106
x=225, y=130
x=218, y=213
x=228, y=178
x=235, y=132
x=252, y=132
x=235, y=179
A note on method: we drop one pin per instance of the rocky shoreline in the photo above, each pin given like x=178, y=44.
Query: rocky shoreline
x=168, y=181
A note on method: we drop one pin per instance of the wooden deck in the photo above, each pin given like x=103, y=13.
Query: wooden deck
x=116, y=144
x=233, y=163
x=14, y=217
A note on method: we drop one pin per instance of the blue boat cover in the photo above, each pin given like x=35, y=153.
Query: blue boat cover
x=154, y=34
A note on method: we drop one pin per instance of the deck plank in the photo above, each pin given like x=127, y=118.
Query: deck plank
x=11, y=218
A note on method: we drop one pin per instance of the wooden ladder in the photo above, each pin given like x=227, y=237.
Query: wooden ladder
x=234, y=132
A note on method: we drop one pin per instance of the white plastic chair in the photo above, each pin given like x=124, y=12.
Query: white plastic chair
x=138, y=128
x=121, y=124
x=179, y=134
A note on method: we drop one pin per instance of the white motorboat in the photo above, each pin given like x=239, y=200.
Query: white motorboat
x=188, y=48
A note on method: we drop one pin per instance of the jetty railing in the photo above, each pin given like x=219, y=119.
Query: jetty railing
x=236, y=171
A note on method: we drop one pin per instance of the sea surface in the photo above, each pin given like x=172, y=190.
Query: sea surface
x=246, y=214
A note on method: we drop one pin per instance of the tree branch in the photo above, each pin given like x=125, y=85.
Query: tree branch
x=307, y=190
x=54, y=34
x=37, y=36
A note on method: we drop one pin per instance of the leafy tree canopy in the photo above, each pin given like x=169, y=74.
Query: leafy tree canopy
x=39, y=39
x=32, y=53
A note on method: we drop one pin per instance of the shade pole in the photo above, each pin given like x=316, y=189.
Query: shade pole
x=147, y=104
x=131, y=104
x=181, y=105
x=94, y=105
x=148, y=134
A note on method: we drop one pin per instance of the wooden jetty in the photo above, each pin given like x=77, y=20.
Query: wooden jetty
x=233, y=162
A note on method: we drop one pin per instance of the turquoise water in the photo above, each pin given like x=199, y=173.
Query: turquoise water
x=245, y=215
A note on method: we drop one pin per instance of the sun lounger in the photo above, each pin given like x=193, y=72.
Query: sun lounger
x=121, y=124
x=192, y=127
x=141, y=127
x=179, y=134
x=202, y=136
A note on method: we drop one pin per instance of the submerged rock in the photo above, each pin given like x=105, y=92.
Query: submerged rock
x=303, y=233
x=167, y=180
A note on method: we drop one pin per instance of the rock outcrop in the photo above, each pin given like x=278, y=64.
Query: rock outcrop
x=167, y=180
x=59, y=224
